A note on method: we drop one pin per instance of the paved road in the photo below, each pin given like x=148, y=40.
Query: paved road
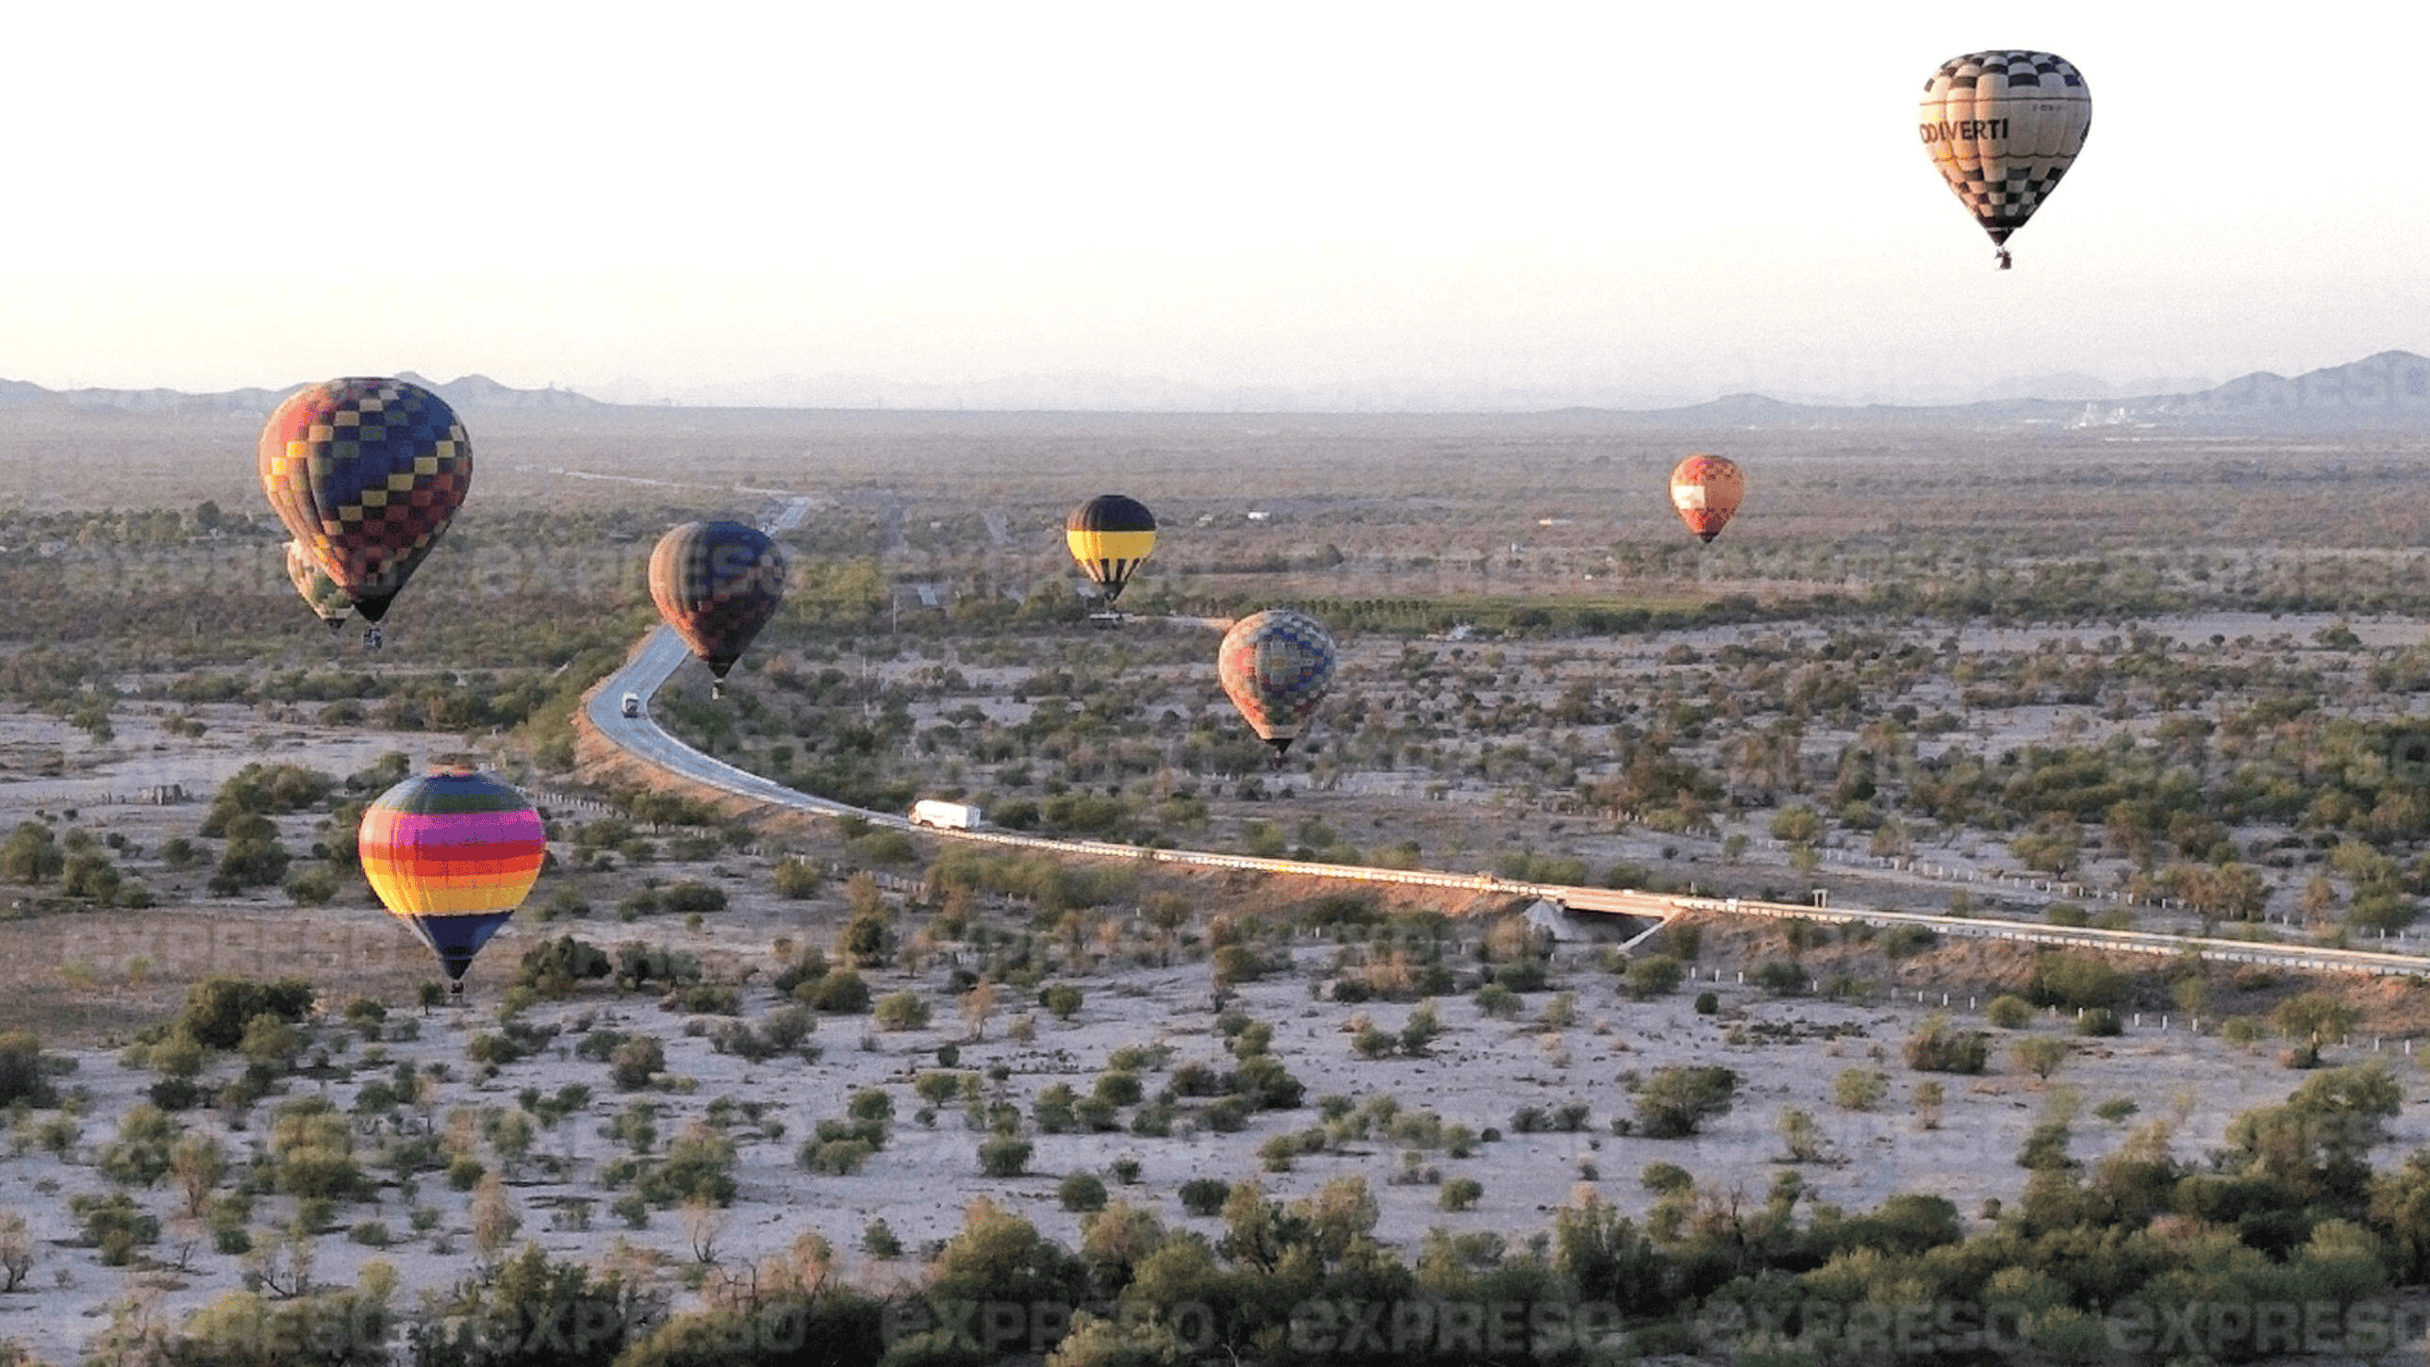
x=663, y=653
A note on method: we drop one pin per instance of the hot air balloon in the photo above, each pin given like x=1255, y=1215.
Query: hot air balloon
x=1276, y=665
x=318, y=590
x=1109, y=535
x=366, y=473
x=452, y=854
x=1706, y=489
x=2003, y=127
x=717, y=584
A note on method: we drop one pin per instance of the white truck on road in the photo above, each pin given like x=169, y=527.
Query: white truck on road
x=945, y=816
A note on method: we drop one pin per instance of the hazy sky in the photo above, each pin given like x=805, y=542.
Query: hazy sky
x=1597, y=197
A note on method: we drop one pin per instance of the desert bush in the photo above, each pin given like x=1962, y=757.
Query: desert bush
x=1654, y=975
x=1782, y=977
x=901, y=1011
x=1004, y=1156
x=636, y=1061
x=2076, y=980
x=1859, y=1089
x=1666, y=1179
x=2039, y=1055
x=1674, y=1102
x=218, y=1009
x=1937, y=1047
x=24, y=1080
x=1082, y=1192
x=2009, y=1012
x=1205, y=1195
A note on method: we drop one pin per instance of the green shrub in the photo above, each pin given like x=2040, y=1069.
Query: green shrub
x=901, y=1011
x=1937, y=1047
x=1205, y=1195
x=1082, y=1192
x=1004, y=1156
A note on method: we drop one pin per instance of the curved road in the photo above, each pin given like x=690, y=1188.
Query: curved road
x=663, y=652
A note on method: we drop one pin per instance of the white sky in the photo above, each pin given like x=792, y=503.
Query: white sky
x=1719, y=196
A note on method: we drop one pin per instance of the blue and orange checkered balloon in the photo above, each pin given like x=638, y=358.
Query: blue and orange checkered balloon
x=366, y=473
x=1276, y=665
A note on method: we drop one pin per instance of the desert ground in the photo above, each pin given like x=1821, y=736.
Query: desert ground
x=95, y=978
x=1520, y=616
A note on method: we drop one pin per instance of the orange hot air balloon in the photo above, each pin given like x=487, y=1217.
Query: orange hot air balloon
x=1706, y=490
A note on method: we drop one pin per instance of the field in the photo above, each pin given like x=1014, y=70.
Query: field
x=2071, y=675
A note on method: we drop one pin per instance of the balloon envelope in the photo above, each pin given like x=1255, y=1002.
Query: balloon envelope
x=318, y=590
x=1276, y=665
x=366, y=473
x=1109, y=535
x=2002, y=127
x=717, y=584
x=1706, y=490
x=452, y=854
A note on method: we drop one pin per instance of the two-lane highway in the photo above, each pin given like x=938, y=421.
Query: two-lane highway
x=663, y=652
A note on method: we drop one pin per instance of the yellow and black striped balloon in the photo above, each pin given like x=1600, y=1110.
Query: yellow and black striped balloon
x=1109, y=536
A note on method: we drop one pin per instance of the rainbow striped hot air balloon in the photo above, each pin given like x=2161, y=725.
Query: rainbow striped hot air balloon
x=452, y=854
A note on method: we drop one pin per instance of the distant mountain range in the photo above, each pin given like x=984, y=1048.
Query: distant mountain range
x=471, y=394
x=2389, y=390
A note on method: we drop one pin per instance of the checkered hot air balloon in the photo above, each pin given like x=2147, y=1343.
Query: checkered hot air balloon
x=2002, y=127
x=1110, y=535
x=1276, y=666
x=452, y=854
x=1706, y=490
x=366, y=473
x=717, y=584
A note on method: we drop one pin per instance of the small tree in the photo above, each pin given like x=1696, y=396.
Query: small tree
x=1937, y=1047
x=1859, y=1089
x=2039, y=1055
x=901, y=1011
x=1676, y=1101
x=1803, y=1137
x=1004, y=1156
x=1654, y=975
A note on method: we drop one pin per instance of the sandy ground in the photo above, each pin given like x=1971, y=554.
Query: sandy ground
x=1480, y=1073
